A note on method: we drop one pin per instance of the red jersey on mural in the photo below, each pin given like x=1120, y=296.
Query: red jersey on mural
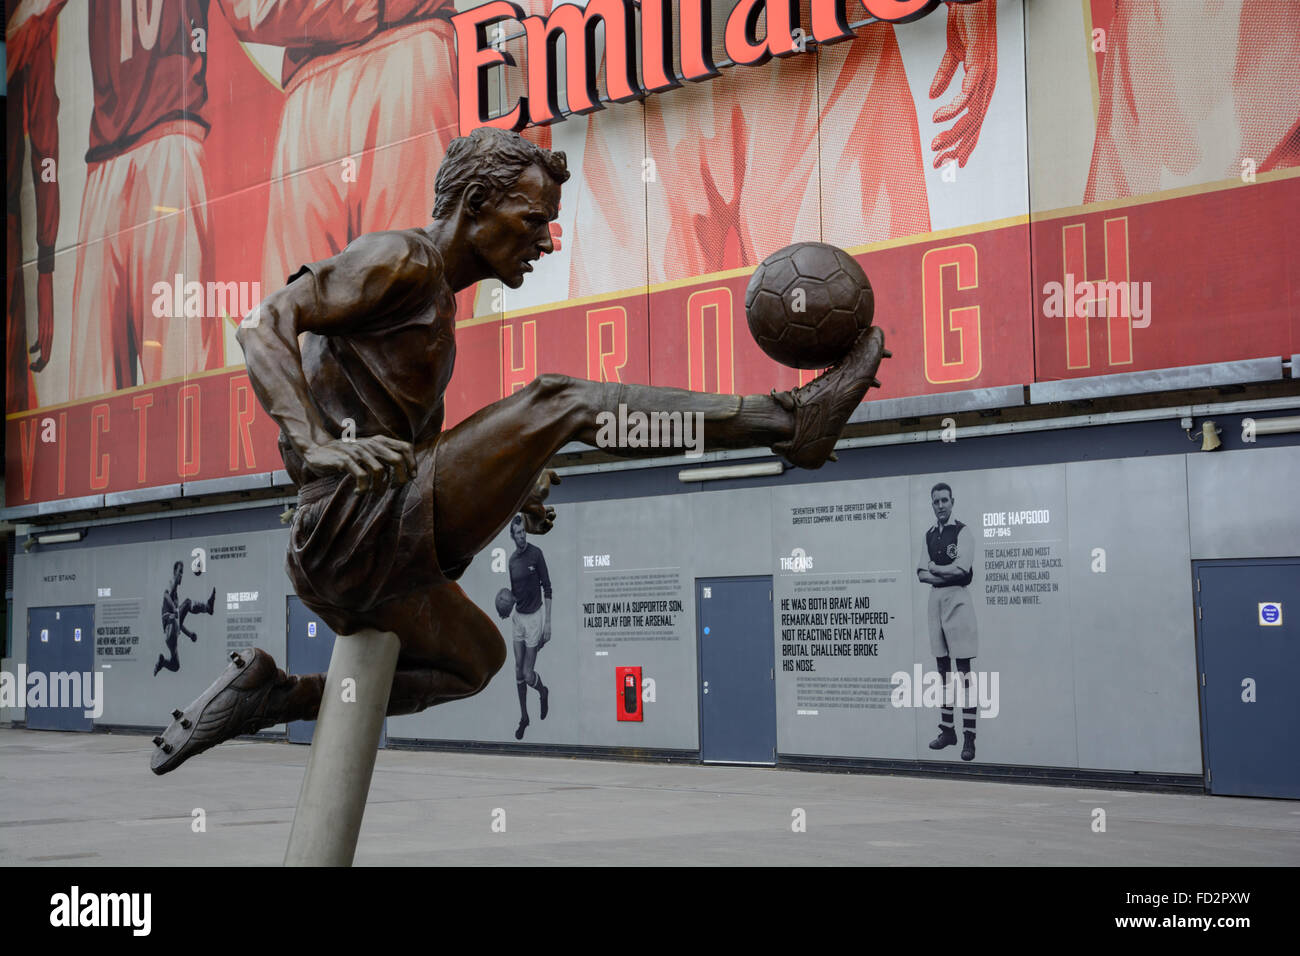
x=144, y=233
x=32, y=117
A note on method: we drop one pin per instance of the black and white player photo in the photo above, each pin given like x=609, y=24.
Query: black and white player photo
x=527, y=603
x=173, y=619
x=947, y=566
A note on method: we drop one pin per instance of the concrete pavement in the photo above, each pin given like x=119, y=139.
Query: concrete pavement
x=89, y=799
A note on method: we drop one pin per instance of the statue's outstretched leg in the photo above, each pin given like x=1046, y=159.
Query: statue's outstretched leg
x=499, y=451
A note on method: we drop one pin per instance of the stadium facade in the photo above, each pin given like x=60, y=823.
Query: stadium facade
x=1078, y=221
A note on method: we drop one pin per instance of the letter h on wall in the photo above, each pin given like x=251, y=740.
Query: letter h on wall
x=1119, y=330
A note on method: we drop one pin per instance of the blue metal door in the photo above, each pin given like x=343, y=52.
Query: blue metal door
x=737, y=670
x=1249, y=648
x=60, y=648
x=310, y=644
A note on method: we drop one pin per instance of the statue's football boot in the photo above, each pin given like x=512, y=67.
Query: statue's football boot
x=237, y=703
x=823, y=406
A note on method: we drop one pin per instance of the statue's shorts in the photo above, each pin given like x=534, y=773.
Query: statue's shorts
x=368, y=560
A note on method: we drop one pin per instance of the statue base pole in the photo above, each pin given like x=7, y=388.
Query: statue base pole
x=343, y=749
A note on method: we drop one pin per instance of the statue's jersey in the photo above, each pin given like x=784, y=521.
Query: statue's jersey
x=369, y=559
x=388, y=373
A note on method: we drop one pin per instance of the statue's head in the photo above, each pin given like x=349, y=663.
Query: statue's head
x=506, y=191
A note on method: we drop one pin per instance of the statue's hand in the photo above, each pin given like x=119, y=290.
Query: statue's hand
x=369, y=460
x=538, y=517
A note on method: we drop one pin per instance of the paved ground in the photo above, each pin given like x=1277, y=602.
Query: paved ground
x=89, y=799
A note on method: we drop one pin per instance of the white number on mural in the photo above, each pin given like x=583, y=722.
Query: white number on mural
x=144, y=16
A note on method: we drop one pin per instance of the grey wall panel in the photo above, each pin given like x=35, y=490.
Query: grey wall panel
x=126, y=582
x=649, y=544
x=246, y=572
x=730, y=532
x=1019, y=600
x=831, y=542
x=1021, y=611
x=1241, y=504
x=653, y=544
x=492, y=715
x=1022, y=642
x=1132, y=628
x=645, y=541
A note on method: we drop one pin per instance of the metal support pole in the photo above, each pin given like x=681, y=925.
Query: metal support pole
x=343, y=749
